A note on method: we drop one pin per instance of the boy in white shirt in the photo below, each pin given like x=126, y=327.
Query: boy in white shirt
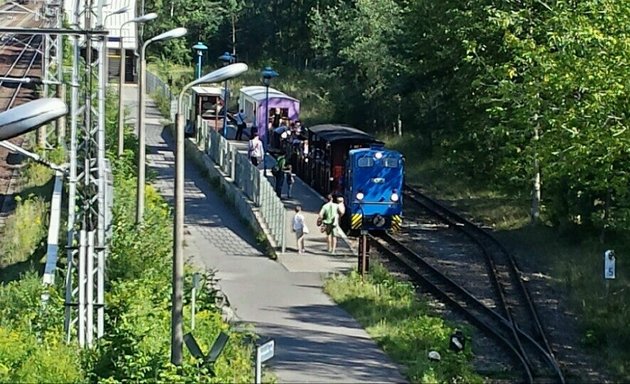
x=300, y=228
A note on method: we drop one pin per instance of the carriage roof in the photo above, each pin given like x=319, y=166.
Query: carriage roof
x=259, y=93
x=208, y=90
x=337, y=132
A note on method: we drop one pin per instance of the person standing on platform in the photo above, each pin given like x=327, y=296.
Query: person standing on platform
x=278, y=173
x=255, y=149
x=240, y=125
x=290, y=179
x=329, y=218
x=275, y=120
x=341, y=206
x=300, y=229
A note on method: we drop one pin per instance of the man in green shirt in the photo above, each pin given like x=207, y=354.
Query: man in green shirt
x=278, y=173
x=329, y=217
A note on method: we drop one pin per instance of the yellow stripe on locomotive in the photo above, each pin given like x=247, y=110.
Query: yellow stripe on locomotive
x=396, y=222
x=355, y=221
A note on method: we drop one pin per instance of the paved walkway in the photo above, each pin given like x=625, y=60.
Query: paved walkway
x=316, y=341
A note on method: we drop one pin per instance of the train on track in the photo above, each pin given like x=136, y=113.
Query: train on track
x=332, y=158
x=348, y=162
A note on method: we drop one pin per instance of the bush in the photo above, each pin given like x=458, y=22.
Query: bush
x=136, y=344
x=31, y=337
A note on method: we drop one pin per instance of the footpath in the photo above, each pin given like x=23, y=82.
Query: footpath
x=315, y=340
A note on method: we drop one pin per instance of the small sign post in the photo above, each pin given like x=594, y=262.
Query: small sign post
x=609, y=268
x=195, y=287
x=363, y=253
x=264, y=352
x=609, y=265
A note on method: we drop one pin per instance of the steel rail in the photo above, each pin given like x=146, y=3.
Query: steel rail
x=30, y=63
x=472, y=231
x=464, y=304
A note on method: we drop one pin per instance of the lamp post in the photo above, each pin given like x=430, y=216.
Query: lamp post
x=121, y=79
x=200, y=48
x=177, y=315
x=173, y=33
x=119, y=11
x=267, y=74
x=227, y=58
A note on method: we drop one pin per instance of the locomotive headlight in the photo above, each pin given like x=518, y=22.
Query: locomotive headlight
x=360, y=196
x=378, y=155
x=394, y=197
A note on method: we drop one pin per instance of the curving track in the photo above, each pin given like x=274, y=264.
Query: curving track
x=501, y=307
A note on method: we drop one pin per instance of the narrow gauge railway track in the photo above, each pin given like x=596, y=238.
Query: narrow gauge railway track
x=511, y=298
x=491, y=322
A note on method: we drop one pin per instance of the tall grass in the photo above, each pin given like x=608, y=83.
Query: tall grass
x=26, y=227
x=404, y=326
x=24, y=230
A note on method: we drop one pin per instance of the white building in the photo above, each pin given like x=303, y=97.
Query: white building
x=113, y=24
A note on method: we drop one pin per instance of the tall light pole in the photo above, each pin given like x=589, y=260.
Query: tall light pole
x=121, y=79
x=177, y=307
x=173, y=33
x=267, y=74
x=200, y=48
x=227, y=58
x=124, y=9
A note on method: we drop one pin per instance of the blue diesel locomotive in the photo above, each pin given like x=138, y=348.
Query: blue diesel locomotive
x=374, y=192
x=348, y=162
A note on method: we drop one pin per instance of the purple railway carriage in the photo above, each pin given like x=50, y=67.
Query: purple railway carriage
x=252, y=101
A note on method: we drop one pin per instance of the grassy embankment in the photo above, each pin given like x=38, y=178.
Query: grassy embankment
x=136, y=344
x=22, y=246
x=572, y=262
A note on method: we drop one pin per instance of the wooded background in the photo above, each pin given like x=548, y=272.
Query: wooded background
x=508, y=89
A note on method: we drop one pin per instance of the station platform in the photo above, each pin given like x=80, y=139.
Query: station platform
x=316, y=258
x=315, y=340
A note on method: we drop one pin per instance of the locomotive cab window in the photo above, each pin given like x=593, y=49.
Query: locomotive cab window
x=365, y=162
x=390, y=162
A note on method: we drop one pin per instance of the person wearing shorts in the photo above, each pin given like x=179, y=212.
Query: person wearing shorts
x=300, y=229
x=329, y=219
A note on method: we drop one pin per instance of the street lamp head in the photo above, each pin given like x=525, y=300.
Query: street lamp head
x=145, y=18
x=124, y=9
x=29, y=116
x=227, y=58
x=172, y=34
x=200, y=48
x=267, y=74
x=222, y=74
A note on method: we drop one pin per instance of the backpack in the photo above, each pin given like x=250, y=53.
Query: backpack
x=277, y=167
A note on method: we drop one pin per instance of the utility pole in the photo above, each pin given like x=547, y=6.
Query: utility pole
x=85, y=278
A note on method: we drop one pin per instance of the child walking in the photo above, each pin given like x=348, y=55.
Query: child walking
x=300, y=229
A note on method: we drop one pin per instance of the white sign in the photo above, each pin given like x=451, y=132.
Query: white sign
x=263, y=353
x=266, y=351
x=609, y=265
